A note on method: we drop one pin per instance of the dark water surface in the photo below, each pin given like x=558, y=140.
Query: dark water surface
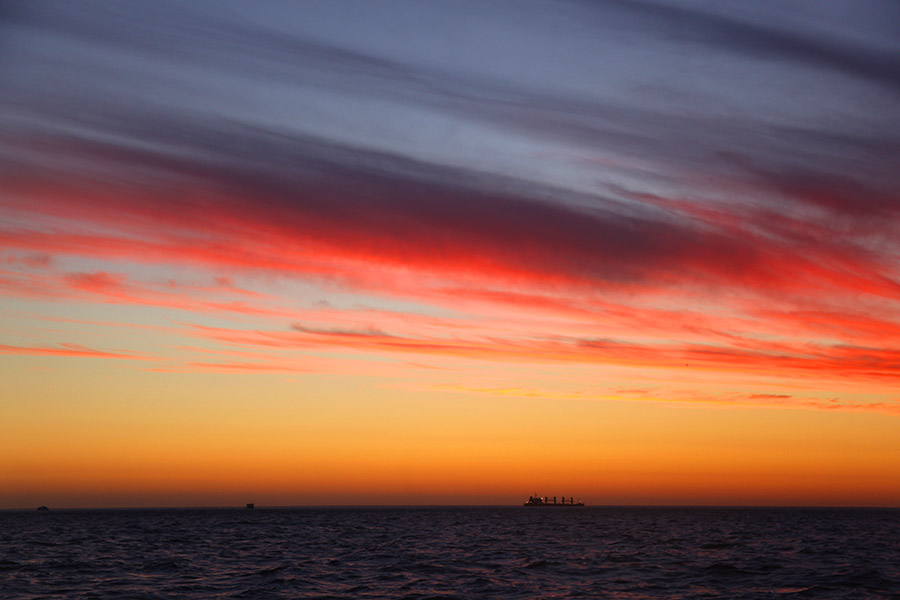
x=513, y=552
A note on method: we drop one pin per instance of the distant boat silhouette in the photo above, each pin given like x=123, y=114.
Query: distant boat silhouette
x=42, y=507
x=249, y=505
x=546, y=501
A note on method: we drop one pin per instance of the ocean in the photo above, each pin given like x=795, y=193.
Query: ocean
x=458, y=552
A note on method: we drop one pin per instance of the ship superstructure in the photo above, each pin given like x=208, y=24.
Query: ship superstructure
x=536, y=500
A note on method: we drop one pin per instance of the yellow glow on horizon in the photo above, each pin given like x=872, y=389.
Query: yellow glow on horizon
x=337, y=440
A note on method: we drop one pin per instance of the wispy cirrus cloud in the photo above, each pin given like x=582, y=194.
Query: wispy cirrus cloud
x=555, y=215
x=768, y=39
x=420, y=217
x=838, y=362
x=70, y=350
x=390, y=226
x=690, y=397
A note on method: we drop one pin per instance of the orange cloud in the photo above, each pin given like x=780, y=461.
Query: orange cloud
x=74, y=350
x=785, y=401
x=795, y=360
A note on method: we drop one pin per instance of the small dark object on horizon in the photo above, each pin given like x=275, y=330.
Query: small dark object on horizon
x=42, y=507
x=546, y=501
x=249, y=505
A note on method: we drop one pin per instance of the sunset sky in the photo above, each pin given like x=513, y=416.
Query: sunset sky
x=449, y=252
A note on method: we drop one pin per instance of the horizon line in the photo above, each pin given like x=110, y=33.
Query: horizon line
x=350, y=506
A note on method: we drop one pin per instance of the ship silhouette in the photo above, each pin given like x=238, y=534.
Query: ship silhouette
x=547, y=501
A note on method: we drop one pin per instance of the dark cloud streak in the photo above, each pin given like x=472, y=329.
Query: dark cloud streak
x=378, y=202
x=404, y=210
x=773, y=43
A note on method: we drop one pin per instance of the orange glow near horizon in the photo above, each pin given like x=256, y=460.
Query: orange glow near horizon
x=390, y=343
x=142, y=439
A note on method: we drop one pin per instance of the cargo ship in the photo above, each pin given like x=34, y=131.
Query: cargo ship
x=547, y=501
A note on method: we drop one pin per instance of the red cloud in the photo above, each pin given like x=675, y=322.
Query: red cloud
x=777, y=360
x=722, y=286
x=369, y=237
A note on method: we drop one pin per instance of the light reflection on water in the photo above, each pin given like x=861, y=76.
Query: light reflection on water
x=512, y=552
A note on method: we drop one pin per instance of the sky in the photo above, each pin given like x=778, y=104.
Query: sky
x=449, y=252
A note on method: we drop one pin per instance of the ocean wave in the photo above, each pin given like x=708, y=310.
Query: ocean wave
x=451, y=553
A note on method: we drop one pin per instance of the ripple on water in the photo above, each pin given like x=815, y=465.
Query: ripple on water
x=451, y=553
